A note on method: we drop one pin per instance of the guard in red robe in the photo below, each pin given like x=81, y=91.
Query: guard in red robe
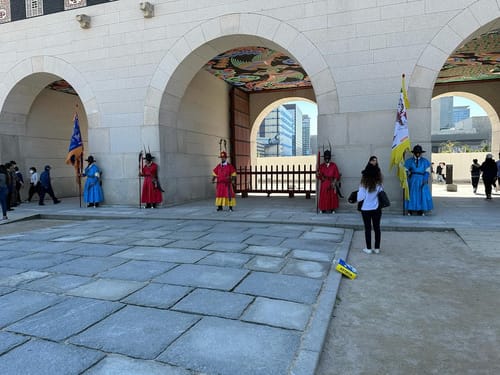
x=224, y=175
x=151, y=189
x=328, y=175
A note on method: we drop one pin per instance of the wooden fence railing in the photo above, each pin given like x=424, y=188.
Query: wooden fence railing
x=290, y=180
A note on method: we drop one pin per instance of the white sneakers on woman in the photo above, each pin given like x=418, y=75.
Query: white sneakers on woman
x=369, y=251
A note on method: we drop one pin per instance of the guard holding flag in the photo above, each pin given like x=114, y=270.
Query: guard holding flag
x=418, y=169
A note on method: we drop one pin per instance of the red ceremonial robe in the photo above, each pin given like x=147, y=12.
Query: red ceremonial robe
x=328, y=199
x=150, y=191
x=224, y=193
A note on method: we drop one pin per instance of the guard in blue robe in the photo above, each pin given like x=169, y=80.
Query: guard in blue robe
x=92, y=192
x=418, y=170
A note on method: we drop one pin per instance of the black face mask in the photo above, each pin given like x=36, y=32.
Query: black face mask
x=327, y=160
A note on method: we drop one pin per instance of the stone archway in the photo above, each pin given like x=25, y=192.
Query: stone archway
x=36, y=122
x=181, y=66
x=203, y=42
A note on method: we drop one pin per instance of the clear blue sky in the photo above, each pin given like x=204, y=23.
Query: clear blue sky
x=475, y=109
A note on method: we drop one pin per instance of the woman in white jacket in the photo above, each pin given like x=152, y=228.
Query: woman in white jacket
x=370, y=186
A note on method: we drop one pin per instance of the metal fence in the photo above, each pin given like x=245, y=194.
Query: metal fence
x=290, y=179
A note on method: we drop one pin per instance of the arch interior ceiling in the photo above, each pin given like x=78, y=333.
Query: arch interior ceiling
x=476, y=60
x=255, y=69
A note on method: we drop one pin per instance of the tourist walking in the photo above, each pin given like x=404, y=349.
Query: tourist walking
x=489, y=169
x=224, y=175
x=418, y=170
x=329, y=175
x=92, y=191
x=371, y=212
x=34, y=184
x=46, y=187
x=475, y=173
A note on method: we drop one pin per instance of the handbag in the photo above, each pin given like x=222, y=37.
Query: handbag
x=383, y=199
x=353, y=198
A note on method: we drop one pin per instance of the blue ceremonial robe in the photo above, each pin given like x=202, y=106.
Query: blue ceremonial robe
x=418, y=178
x=92, y=192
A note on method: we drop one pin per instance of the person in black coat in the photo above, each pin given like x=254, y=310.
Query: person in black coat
x=489, y=169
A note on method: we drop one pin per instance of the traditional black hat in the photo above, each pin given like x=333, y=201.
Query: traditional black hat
x=327, y=154
x=90, y=159
x=417, y=149
x=149, y=157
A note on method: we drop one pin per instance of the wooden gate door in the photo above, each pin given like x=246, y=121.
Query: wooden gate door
x=240, y=128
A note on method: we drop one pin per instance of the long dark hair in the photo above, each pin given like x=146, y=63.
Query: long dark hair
x=371, y=177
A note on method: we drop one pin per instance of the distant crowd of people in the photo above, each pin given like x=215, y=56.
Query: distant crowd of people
x=12, y=181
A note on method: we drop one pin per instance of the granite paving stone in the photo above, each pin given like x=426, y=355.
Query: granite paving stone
x=43, y=246
x=87, y=266
x=275, y=251
x=157, y=295
x=278, y=313
x=179, y=235
x=225, y=237
x=226, y=259
x=152, y=242
x=331, y=230
x=21, y=278
x=233, y=226
x=107, y=289
x=306, y=268
x=322, y=236
x=275, y=231
x=196, y=226
x=9, y=340
x=210, y=277
x=228, y=347
x=97, y=239
x=97, y=250
x=8, y=271
x=189, y=244
x=262, y=240
x=264, y=263
x=66, y=238
x=43, y=357
x=21, y=303
x=214, y=302
x=317, y=256
x=163, y=254
x=65, y=319
x=285, y=287
x=226, y=246
x=140, y=332
x=11, y=254
x=5, y=290
x=36, y=261
x=313, y=245
x=120, y=365
x=58, y=284
x=148, y=233
x=137, y=270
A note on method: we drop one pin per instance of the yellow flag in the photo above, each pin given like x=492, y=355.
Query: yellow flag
x=401, y=139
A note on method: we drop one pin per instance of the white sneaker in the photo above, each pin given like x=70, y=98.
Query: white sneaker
x=367, y=251
x=376, y=251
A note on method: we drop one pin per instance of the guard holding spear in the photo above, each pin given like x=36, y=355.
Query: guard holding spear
x=224, y=175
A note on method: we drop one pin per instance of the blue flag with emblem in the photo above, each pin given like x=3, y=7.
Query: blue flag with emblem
x=75, y=152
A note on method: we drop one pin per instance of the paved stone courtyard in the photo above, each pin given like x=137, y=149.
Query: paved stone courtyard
x=166, y=296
